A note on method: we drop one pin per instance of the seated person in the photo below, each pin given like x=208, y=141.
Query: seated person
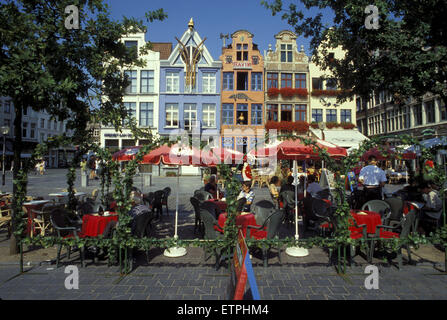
x=313, y=188
x=288, y=185
x=212, y=187
x=433, y=203
x=273, y=187
x=248, y=194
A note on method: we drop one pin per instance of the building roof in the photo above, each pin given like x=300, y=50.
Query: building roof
x=165, y=49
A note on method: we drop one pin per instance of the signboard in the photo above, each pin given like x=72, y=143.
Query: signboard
x=241, y=65
x=243, y=270
x=115, y=135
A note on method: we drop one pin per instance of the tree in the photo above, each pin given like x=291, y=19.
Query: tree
x=405, y=54
x=48, y=66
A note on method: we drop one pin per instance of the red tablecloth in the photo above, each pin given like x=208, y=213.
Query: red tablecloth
x=243, y=221
x=222, y=205
x=92, y=226
x=371, y=219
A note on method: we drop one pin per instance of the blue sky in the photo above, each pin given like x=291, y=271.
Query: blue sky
x=210, y=17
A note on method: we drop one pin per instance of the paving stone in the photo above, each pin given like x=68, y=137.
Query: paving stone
x=338, y=290
x=139, y=296
x=320, y=290
x=170, y=290
x=281, y=297
x=287, y=290
x=209, y=297
x=316, y=297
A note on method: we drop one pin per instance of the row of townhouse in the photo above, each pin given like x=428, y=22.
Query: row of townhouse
x=235, y=97
x=37, y=127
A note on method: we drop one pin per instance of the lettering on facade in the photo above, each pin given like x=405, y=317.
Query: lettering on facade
x=242, y=65
x=116, y=135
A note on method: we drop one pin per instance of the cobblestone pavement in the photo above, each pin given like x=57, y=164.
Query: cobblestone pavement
x=179, y=281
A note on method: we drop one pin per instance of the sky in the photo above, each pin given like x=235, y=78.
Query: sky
x=211, y=18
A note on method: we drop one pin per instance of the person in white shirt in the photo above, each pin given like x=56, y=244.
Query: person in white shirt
x=373, y=179
x=313, y=188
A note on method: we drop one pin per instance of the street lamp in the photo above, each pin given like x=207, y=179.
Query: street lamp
x=5, y=131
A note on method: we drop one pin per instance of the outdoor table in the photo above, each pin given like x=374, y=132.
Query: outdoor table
x=94, y=225
x=222, y=205
x=30, y=207
x=243, y=221
x=371, y=219
x=62, y=195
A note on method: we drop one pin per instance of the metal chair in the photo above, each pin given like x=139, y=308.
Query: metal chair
x=262, y=210
x=157, y=204
x=288, y=198
x=202, y=195
x=167, y=192
x=42, y=220
x=272, y=224
x=396, y=213
x=198, y=222
x=210, y=222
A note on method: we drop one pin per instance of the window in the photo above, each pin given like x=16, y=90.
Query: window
x=132, y=47
x=286, y=53
x=228, y=143
x=7, y=106
x=417, y=110
x=189, y=115
x=256, y=81
x=286, y=80
x=272, y=80
x=242, y=52
x=242, y=81
x=300, y=80
x=172, y=115
x=430, y=111
x=131, y=109
x=256, y=114
x=228, y=81
x=331, y=115
x=317, y=84
x=209, y=83
x=272, y=112
x=132, y=77
x=33, y=131
x=209, y=115
x=300, y=112
x=172, y=82
x=61, y=126
x=130, y=44
x=442, y=110
x=345, y=115
x=331, y=84
x=42, y=137
x=24, y=129
x=146, y=114
x=42, y=123
x=242, y=114
x=227, y=114
x=147, y=81
x=317, y=115
x=255, y=60
x=286, y=112
x=241, y=144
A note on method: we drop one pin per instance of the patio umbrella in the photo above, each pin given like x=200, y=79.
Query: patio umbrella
x=214, y=156
x=126, y=154
x=390, y=154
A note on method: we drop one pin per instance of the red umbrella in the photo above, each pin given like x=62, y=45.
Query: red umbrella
x=387, y=154
x=126, y=154
x=219, y=155
x=296, y=150
x=174, y=155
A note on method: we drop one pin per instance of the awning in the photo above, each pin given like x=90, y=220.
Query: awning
x=346, y=138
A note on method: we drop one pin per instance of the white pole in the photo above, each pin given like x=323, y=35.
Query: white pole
x=296, y=251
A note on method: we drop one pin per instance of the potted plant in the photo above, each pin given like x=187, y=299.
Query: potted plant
x=273, y=92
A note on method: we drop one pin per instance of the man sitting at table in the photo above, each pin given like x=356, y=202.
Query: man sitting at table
x=248, y=194
x=432, y=209
x=212, y=187
x=313, y=188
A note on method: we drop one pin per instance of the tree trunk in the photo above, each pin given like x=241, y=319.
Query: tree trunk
x=18, y=108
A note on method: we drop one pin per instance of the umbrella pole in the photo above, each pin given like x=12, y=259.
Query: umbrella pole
x=296, y=251
x=176, y=251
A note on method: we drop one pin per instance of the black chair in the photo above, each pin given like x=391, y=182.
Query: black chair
x=140, y=228
x=396, y=213
x=325, y=215
x=262, y=210
x=157, y=204
x=209, y=222
x=65, y=228
x=164, y=202
x=212, y=207
x=288, y=197
x=198, y=222
x=379, y=206
x=202, y=195
x=406, y=227
x=85, y=208
x=272, y=223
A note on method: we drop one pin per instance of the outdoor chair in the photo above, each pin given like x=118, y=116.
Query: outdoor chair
x=397, y=207
x=5, y=218
x=66, y=228
x=288, y=198
x=272, y=225
x=85, y=208
x=202, y=195
x=378, y=206
x=263, y=209
x=406, y=226
x=42, y=221
x=157, y=204
x=167, y=193
x=212, y=207
x=198, y=222
x=211, y=233
x=140, y=229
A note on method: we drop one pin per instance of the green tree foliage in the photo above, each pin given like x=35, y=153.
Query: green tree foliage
x=406, y=54
x=46, y=66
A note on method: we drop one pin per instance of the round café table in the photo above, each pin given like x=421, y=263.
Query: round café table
x=371, y=219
